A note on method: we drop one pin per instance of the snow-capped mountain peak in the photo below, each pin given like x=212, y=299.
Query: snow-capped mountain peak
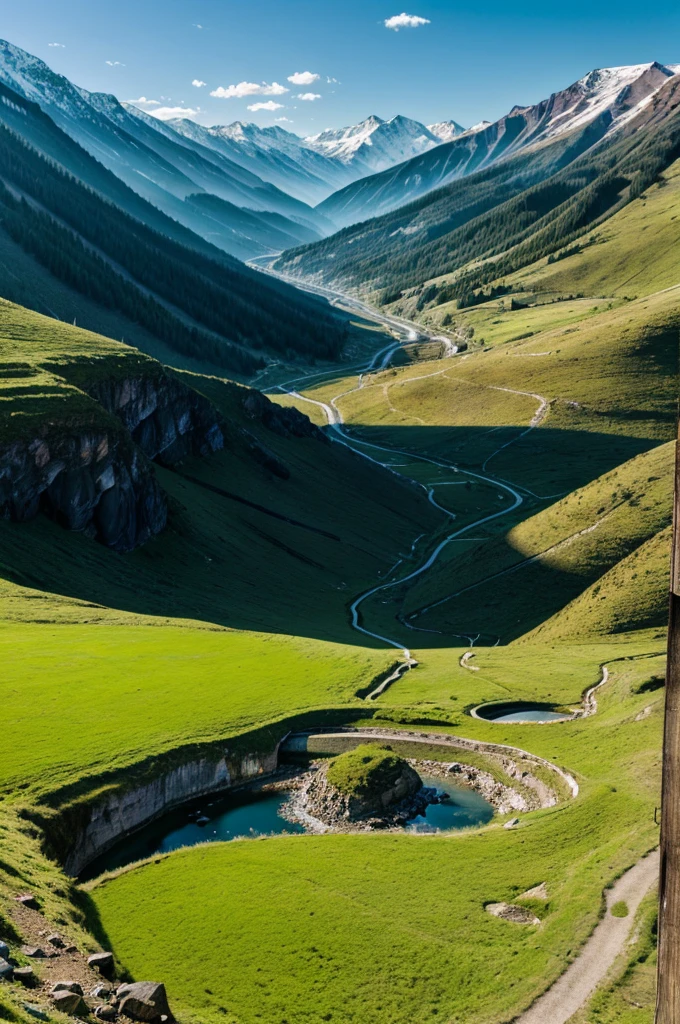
x=375, y=144
x=445, y=130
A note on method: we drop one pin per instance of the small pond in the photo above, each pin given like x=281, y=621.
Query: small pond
x=248, y=813
x=519, y=711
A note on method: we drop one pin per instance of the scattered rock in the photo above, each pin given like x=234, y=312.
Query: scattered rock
x=28, y=900
x=70, y=1003
x=67, y=986
x=144, y=1000
x=71, y=949
x=6, y=971
x=34, y=1011
x=101, y=992
x=511, y=912
x=35, y=952
x=56, y=941
x=106, y=1012
x=25, y=975
x=539, y=892
x=512, y=823
x=4, y=951
x=102, y=962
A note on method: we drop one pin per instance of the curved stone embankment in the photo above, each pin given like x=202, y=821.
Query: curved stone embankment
x=519, y=761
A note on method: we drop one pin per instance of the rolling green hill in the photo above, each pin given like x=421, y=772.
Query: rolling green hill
x=510, y=527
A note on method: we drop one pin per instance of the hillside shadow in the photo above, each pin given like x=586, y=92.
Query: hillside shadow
x=223, y=562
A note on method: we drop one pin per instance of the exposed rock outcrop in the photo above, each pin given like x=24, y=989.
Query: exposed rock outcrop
x=95, y=481
x=167, y=419
x=391, y=790
x=122, y=812
x=287, y=421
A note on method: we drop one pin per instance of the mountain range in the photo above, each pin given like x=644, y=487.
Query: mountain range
x=596, y=147
x=609, y=97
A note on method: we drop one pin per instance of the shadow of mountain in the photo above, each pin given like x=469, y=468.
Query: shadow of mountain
x=292, y=554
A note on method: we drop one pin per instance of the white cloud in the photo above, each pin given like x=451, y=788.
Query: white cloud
x=403, y=20
x=331, y=81
x=165, y=113
x=114, y=64
x=144, y=102
x=60, y=45
x=248, y=89
x=283, y=119
x=309, y=97
x=198, y=83
x=269, y=105
x=195, y=25
x=303, y=78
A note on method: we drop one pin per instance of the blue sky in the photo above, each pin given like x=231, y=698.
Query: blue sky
x=467, y=61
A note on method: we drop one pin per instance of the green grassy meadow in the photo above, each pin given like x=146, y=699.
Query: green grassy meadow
x=547, y=446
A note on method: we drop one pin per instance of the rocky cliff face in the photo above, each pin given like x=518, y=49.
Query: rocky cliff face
x=281, y=420
x=167, y=419
x=97, y=479
x=123, y=812
x=94, y=481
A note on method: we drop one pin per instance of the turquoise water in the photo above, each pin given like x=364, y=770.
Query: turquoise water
x=250, y=814
x=531, y=716
x=520, y=712
x=466, y=808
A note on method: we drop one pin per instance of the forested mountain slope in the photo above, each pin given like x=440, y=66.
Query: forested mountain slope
x=145, y=266
x=159, y=165
x=606, y=98
x=494, y=222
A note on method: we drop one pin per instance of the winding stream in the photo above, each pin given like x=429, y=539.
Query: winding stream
x=379, y=361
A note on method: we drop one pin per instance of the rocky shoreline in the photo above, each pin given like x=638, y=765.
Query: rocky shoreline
x=307, y=802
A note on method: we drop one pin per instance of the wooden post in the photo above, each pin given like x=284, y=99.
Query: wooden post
x=668, y=971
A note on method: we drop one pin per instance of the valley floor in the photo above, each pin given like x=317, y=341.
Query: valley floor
x=528, y=550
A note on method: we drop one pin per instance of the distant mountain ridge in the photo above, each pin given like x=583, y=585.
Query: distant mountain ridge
x=375, y=144
x=161, y=166
x=613, y=95
x=313, y=167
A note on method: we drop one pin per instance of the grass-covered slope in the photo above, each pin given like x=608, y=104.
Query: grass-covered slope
x=269, y=510
x=304, y=926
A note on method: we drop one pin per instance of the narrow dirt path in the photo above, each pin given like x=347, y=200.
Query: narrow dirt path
x=579, y=981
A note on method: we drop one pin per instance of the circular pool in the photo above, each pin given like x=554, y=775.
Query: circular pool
x=521, y=711
x=249, y=813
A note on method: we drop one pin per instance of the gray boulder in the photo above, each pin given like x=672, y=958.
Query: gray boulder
x=25, y=975
x=4, y=951
x=67, y=986
x=6, y=970
x=144, y=1000
x=101, y=992
x=106, y=1012
x=56, y=941
x=102, y=962
x=70, y=1003
x=28, y=900
x=35, y=952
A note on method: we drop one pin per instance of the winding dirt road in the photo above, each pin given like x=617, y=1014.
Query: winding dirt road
x=581, y=978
